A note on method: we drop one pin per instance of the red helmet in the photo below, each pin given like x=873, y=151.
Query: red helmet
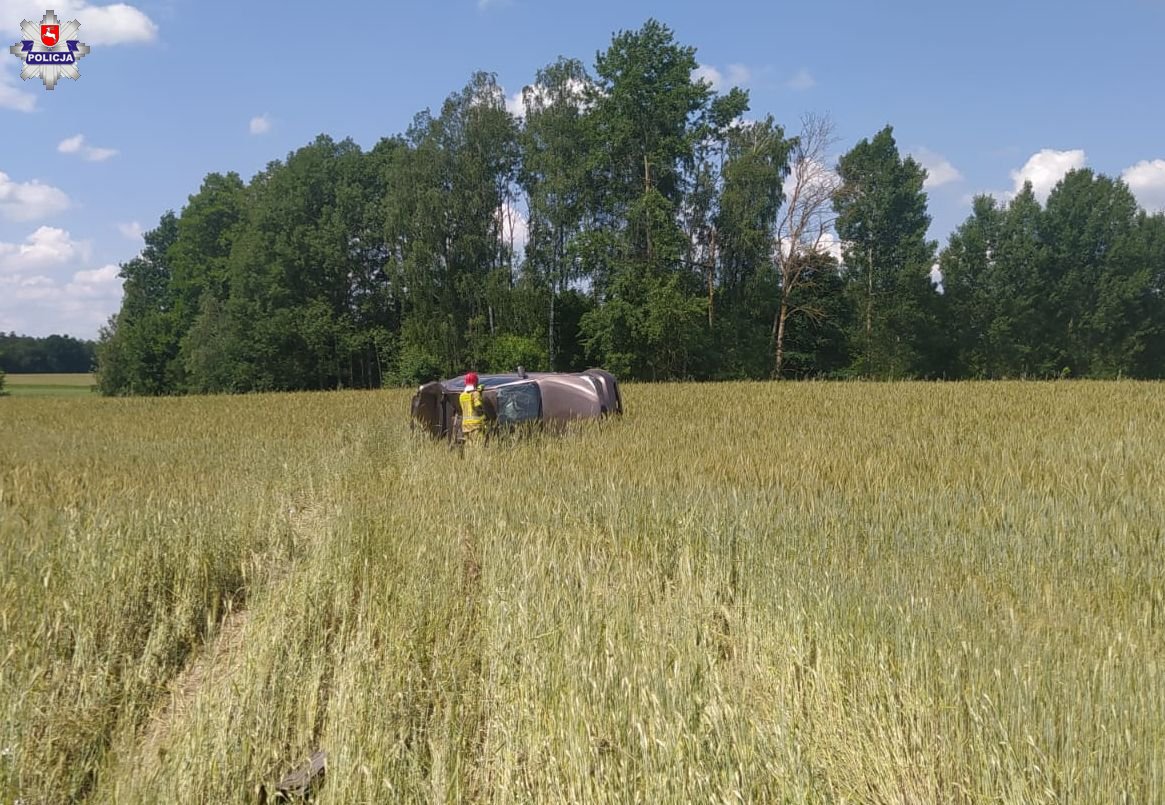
x=471, y=378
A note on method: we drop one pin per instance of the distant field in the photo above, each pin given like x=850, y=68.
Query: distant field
x=49, y=385
x=817, y=592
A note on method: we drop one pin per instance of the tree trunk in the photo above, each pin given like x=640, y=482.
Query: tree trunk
x=554, y=281
x=869, y=308
x=782, y=317
x=646, y=189
x=553, y=293
x=710, y=270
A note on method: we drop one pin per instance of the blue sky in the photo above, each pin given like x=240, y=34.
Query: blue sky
x=984, y=94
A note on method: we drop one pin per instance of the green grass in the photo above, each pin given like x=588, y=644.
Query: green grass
x=49, y=385
x=760, y=592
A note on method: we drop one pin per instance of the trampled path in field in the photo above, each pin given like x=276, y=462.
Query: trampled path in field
x=218, y=658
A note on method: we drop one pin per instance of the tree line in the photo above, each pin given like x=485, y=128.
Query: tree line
x=25, y=354
x=632, y=217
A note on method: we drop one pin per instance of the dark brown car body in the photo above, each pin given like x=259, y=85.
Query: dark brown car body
x=512, y=400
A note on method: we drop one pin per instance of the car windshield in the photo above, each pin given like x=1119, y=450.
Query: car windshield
x=519, y=403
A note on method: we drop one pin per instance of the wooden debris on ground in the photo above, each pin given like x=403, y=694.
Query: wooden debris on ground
x=299, y=784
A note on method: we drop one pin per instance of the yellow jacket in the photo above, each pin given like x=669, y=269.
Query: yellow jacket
x=472, y=412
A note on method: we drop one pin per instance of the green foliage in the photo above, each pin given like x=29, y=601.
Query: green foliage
x=1068, y=290
x=3, y=379
x=555, y=141
x=415, y=365
x=819, y=345
x=22, y=354
x=756, y=164
x=646, y=108
x=210, y=350
x=651, y=211
x=746, y=287
x=882, y=219
x=137, y=349
x=1094, y=276
x=444, y=227
x=199, y=257
x=571, y=306
x=507, y=352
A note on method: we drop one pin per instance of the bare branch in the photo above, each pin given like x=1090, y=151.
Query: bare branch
x=806, y=221
x=812, y=311
x=808, y=216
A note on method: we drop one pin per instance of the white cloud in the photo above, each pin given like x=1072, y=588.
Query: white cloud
x=28, y=201
x=78, y=305
x=828, y=243
x=936, y=277
x=710, y=75
x=132, y=230
x=47, y=285
x=514, y=104
x=76, y=145
x=108, y=24
x=486, y=5
x=260, y=124
x=813, y=176
x=12, y=96
x=26, y=289
x=1044, y=169
x=489, y=97
x=1147, y=181
x=734, y=75
x=95, y=282
x=71, y=145
x=47, y=246
x=801, y=81
x=738, y=74
x=939, y=170
x=115, y=24
x=515, y=228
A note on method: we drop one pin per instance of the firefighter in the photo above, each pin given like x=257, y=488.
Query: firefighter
x=472, y=412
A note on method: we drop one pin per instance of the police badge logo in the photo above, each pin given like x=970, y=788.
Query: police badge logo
x=51, y=52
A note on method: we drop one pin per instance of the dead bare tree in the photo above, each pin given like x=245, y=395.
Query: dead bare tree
x=805, y=223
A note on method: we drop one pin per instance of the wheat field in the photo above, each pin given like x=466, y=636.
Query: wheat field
x=813, y=592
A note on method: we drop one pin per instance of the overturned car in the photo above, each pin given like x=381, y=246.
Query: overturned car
x=519, y=399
